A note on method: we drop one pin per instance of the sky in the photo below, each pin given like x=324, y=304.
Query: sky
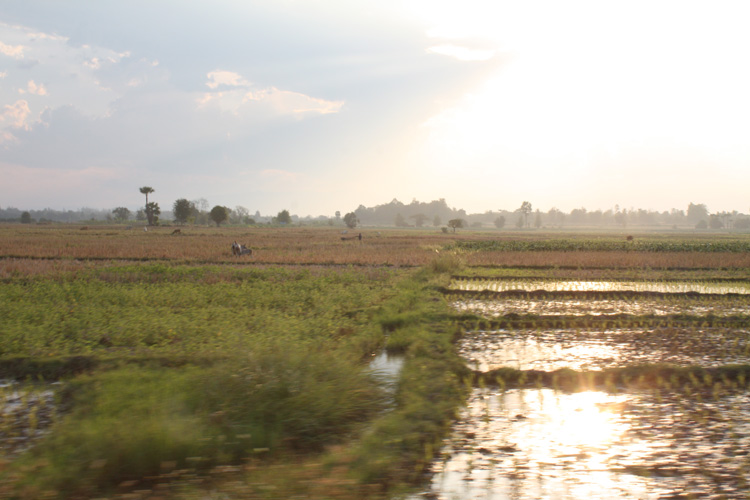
x=318, y=106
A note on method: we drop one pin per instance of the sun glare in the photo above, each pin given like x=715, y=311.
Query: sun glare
x=588, y=86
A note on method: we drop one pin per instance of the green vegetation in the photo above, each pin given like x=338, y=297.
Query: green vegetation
x=176, y=367
x=176, y=370
x=608, y=244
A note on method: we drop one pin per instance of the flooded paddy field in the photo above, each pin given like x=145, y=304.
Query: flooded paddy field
x=659, y=305
x=561, y=285
x=540, y=443
x=550, y=350
x=645, y=442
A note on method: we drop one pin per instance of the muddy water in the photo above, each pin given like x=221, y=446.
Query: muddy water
x=550, y=350
x=539, y=443
x=25, y=415
x=502, y=285
x=572, y=307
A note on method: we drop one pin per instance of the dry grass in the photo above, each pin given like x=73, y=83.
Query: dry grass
x=201, y=245
x=24, y=249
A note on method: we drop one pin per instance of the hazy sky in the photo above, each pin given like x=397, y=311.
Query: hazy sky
x=322, y=105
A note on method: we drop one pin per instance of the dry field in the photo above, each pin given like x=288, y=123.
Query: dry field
x=23, y=248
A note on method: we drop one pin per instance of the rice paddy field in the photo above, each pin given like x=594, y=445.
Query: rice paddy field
x=410, y=364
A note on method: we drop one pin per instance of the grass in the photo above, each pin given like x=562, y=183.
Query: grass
x=187, y=370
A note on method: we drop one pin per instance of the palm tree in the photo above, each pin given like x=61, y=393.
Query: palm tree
x=146, y=190
x=149, y=209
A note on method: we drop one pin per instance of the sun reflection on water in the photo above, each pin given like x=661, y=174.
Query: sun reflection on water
x=539, y=444
x=527, y=444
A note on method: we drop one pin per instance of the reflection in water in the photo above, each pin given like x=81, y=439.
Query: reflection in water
x=26, y=412
x=502, y=285
x=387, y=368
x=539, y=443
x=573, y=307
x=550, y=350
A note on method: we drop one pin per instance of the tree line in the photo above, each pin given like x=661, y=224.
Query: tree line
x=436, y=213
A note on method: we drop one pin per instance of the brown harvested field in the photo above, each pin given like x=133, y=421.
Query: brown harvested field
x=297, y=245
x=60, y=246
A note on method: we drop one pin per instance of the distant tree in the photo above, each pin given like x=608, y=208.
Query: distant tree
x=697, y=212
x=121, y=214
x=419, y=219
x=399, y=221
x=219, y=214
x=351, y=220
x=701, y=224
x=538, y=219
x=436, y=221
x=519, y=222
x=556, y=216
x=338, y=215
x=140, y=215
x=715, y=222
x=147, y=190
x=621, y=218
x=240, y=214
x=500, y=222
x=152, y=213
x=26, y=218
x=183, y=210
x=525, y=210
x=456, y=224
x=283, y=217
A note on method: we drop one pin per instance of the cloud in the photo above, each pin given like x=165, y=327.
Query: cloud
x=14, y=51
x=240, y=98
x=226, y=79
x=33, y=88
x=15, y=116
x=287, y=102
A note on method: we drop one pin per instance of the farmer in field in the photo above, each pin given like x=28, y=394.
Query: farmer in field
x=239, y=250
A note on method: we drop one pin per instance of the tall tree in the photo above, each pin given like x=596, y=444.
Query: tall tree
x=121, y=214
x=697, y=212
x=183, y=209
x=283, y=217
x=351, y=220
x=152, y=213
x=419, y=219
x=525, y=210
x=456, y=223
x=149, y=215
x=219, y=214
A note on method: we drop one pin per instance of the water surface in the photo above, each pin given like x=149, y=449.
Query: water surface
x=502, y=285
x=594, y=349
x=540, y=443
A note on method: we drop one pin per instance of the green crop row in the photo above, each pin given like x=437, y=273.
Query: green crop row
x=602, y=245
